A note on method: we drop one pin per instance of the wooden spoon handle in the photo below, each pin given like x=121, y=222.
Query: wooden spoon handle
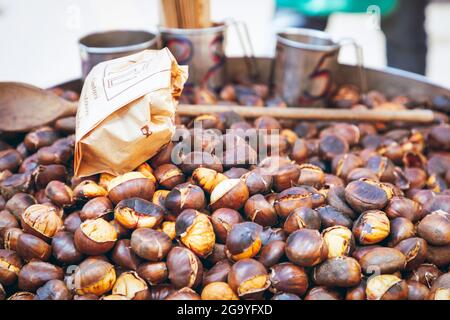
x=417, y=115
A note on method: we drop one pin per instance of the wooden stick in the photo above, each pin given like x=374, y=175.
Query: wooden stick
x=417, y=115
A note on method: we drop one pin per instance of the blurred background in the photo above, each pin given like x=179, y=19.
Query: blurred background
x=39, y=38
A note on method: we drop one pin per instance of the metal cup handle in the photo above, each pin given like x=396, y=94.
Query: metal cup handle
x=247, y=47
x=359, y=61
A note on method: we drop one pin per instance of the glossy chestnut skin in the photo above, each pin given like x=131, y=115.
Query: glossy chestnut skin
x=426, y=274
x=64, y=250
x=331, y=146
x=41, y=137
x=130, y=285
x=150, y=244
x=358, y=292
x=244, y=240
x=401, y=229
x=7, y=220
x=53, y=290
x=129, y=185
x=331, y=216
x=94, y=276
x=383, y=261
x=36, y=273
x=223, y=220
x=438, y=255
x=218, y=291
x=96, y=208
x=260, y=211
x=285, y=176
x=218, y=273
x=302, y=218
x=322, y=293
x=338, y=272
x=72, y=221
x=135, y=213
x=371, y=227
x=153, y=272
x=169, y=175
x=257, y=182
x=10, y=237
x=207, y=179
x=339, y=241
x=30, y=247
x=10, y=159
x=183, y=294
x=19, y=203
x=42, y=221
x=124, y=256
x=95, y=237
x=248, y=278
x=185, y=268
x=306, y=248
x=290, y=199
x=10, y=265
x=185, y=196
x=415, y=251
x=435, y=228
x=403, y=207
x=364, y=194
x=386, y=287
x=272, y=253
x=59, y=193
x=289, y=278
x=230, y=193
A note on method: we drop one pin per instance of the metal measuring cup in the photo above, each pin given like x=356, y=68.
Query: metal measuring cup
x=103, y=46
x=203, y=50
x=305, y=65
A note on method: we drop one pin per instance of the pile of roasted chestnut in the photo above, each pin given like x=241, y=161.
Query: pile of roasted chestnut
x=327, y=211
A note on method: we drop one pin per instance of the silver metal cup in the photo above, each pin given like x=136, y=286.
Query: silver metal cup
x=202, y=49
x=103, y=46
x=306, y=62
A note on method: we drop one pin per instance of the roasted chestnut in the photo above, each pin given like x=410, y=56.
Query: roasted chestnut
x=95, y=237
x=331, y=146
x=223, y=220
x=185, y=268
x=435, y=228
x=63, y=248
x=218, y=291
x=218, y=273
x=10, y=237
x=272, y=253
x=415, y=251
x=169, y=175
x=403, y=207
x=248, y=278
x=183, y=294
x=371, y=227
x=185, y=196
x=257, y=181
x=259, y=210
x=72, y=221
x=59, y=193
x=339, y=241
x=94, y=276
x=7, y=220
x=150, y=244
x=30, y=247
x=96, y=208
x=207, y=178
x=322, y=293
x=196, y=232
x=291, y=199
x=289, y=278
x=244, y=240
x=302, y=218
x=36, y=273
x=10, y=265
x=386, y=287
x=383, y=261
x=124, y=256
x=10, y=159
x=306, y=248
x=230, y=193
x=331, y=216
x=338, y=272
x=365, y=194
x=42, y=221
x=401, y=229
x=130, y=185
x=19, y=203
x=417, y=290
x=153, y=272
x=135, y=213
x=53, y=290
x=130, y=285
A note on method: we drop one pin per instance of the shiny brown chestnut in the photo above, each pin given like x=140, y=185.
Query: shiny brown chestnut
x=59, y=193
x=53, y=290
x=415, y=251
x=401, y=229
x=426, y=274
x=218, y=291
x=22, y=295
x=248, y=278
x=54, y=154
x=196, y=232
x=358, y=292
x=130, y=185
x=345, y=163
x=218, y=272
x=230, y=193
x=96, y=208
x=135, y=213
x=260, y=211
x=95, y=237
x=331, y=146
x=383, y=261
x=72, y=221
x=10, y=237
x=306, y=248
x=323, y=293
x=311, y=175
x=364, y=194
x=403, y=207
x=36, y=273
x=331, y=216
x=19, y=203
x=130, y=285
x=10, y=159
x=257, y=181
x=272, y=253
x=163, y=156
x=285, y=176
x=371, y=227
x=7, y=220
x=10, y=265
x=207, y=178
x=185, y=268
x=185, y=196
x=150, y=244
x=338, y=272
x=94, y=276
x=244, y=240
x=42, y=175
x=223, y=220
x=272, y=234
x=386, y=287
x=302, y=218
x=169, y=175
x=290, y=199
x=439, y=255
x=153, y=272
x=339, y=241
x=435, y=228
x=289, y=278
x=183, y=294
x=123, y=255
x=235, y=173
x=41, y=137
x=42, y=221
x=64, y=250
x=30, y=247
x=417, y=290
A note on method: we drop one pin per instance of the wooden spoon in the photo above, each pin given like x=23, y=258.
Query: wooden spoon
x=24, y=107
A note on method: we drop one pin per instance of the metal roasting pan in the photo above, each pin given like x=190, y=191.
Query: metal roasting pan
x=388, y=80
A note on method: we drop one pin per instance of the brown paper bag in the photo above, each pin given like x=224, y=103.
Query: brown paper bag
x=126, y=112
